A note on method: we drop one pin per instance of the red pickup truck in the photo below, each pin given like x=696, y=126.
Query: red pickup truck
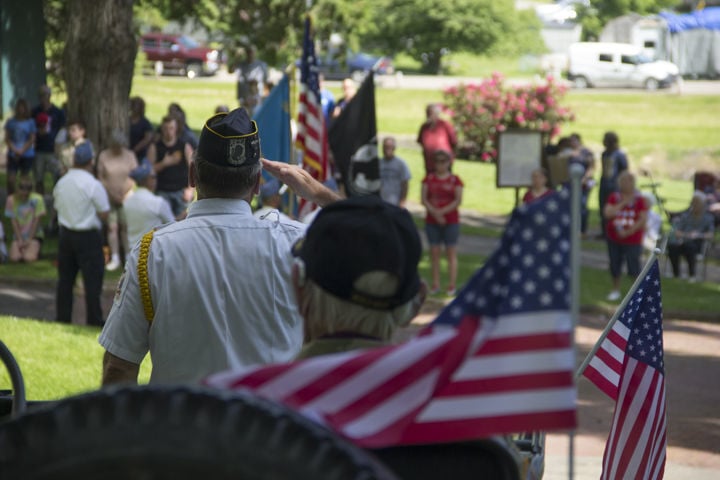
x=179, y=54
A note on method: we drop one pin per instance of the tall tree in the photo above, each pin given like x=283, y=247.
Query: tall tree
x=98, y=59
x=274, y=27
x=427, y=29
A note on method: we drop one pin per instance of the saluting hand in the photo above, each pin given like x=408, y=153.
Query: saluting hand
x=301, y=182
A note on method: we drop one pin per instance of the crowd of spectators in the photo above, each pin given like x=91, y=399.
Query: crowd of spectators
x=145, y=170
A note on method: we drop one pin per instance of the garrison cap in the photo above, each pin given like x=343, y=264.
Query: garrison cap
x=230, y=140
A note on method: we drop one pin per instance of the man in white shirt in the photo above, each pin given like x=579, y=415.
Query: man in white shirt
x=143, y=209
x=394, y=175
x=82, y=205
x=252, y=74
x=212, y=292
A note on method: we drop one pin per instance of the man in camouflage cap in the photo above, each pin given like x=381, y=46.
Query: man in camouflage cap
x=212, y=292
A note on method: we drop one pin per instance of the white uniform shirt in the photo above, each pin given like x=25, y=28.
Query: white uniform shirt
x=392, y=173
x=221, y=291
x=144, y=211
x=78, y=198
x=271, y=214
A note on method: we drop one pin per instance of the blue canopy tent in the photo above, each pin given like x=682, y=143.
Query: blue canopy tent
x=694, y=41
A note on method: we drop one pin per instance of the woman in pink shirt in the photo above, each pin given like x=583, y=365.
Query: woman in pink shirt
x=436, y=134
x=114, y=167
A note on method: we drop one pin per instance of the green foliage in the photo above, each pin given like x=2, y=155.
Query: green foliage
x=482, y=111
x=273, y=27
x=430, y=29
x=55, y=13
x=351, y=20
x=523, y=38
x=148, y=16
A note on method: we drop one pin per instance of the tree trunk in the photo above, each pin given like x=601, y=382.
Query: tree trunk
x=432, y=62
x=99, y=58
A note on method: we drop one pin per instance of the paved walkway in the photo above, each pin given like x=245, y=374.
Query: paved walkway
x=593, y=253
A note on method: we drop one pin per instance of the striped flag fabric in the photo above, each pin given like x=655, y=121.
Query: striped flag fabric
x=312, y=133
x=629, y=368
x=498, y=359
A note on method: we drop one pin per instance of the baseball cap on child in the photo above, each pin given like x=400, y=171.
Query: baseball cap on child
x=230, y=140
x=83, y=154
x=142, y=171
x=42, y=119
x=270, y=188
x=353, y=237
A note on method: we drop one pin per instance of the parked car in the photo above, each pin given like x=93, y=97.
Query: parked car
x=356, y=65
x=179, y=55
x=604, y=64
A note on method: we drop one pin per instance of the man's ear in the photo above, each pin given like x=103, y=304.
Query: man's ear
x=298, y=273
x=256, y=188
x=419, y=299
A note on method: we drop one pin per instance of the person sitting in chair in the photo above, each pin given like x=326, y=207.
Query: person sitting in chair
x=690, y=230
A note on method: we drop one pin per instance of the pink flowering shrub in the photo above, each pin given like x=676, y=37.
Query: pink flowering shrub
x=481, y=111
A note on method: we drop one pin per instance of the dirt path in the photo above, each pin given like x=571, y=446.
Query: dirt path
x=692, y=358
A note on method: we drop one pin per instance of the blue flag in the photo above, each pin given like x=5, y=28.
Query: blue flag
x=273, y=120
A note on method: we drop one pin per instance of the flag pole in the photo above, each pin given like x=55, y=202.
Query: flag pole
x=290, y=71
x=576, y=174
x=651, y=259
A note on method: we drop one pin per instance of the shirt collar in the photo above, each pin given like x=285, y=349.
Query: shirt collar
x=219, y=206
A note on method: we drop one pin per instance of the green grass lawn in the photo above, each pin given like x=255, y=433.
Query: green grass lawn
x=56, y=359
x=469, y=65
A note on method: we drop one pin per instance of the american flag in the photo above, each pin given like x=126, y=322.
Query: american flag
x=498, y=359
x=629, y=368
x=312, y=135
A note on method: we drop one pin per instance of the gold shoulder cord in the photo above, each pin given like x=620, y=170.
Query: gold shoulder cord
x=143, y=280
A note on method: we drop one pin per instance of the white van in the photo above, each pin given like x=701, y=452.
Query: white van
x=602, y=64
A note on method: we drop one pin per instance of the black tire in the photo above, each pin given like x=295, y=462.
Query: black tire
x=193, y=70
x=652, y=84
x=175, y=433
x=581, y=82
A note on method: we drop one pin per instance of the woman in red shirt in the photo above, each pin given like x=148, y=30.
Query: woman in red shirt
x=441, y=196
x=626, y=215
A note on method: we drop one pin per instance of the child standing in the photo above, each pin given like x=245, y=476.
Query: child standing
x=441, y=196
x=25, y=209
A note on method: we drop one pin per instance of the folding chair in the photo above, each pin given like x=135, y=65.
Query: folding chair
x=702, y=255
x=704, y=181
